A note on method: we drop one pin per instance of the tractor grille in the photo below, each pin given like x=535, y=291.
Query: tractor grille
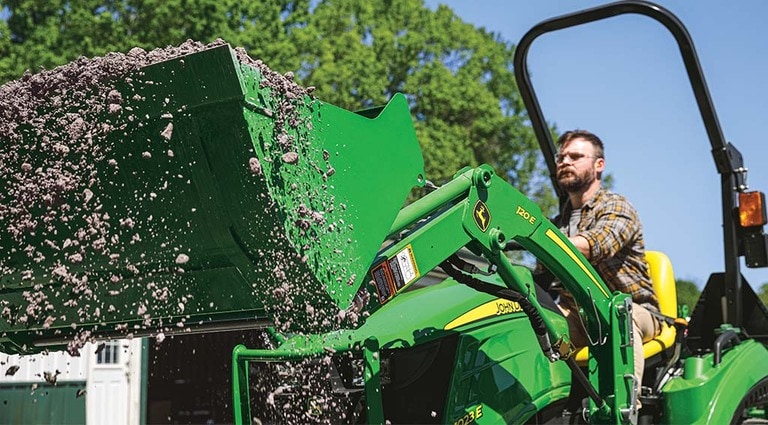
x=301, y=392
x=331, y=390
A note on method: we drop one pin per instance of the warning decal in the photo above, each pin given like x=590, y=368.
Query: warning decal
x=403, y=267
x=382, y=278
x=394, y=274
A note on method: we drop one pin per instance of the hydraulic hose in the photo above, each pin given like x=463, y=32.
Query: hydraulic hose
x=537, y=323
x=453, y=267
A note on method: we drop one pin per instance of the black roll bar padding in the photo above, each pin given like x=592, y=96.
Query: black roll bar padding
x=724, y=154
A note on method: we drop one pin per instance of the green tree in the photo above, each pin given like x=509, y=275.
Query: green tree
x=762, y=293
x=46, y=34
x=460, y=81
x=687, y=293
x=458, y=78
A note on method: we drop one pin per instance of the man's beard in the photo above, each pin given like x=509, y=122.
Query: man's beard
x=572, y=181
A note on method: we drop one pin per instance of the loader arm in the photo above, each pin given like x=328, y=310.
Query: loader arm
x=481, y=211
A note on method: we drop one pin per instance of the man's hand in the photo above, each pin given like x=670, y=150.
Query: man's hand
x=581, y=243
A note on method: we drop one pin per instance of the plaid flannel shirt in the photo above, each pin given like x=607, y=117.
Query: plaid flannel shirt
x=612, y=227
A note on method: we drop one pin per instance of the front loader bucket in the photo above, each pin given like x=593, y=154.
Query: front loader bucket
x=221, y=195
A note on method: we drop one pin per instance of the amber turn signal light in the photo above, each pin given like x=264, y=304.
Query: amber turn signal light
x=752, y=209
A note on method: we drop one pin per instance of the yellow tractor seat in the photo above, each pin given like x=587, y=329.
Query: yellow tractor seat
x=663, y=279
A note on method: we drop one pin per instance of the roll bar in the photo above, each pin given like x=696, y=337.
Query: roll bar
x=728, y=160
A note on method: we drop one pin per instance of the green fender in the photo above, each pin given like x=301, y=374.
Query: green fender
x=710, y=394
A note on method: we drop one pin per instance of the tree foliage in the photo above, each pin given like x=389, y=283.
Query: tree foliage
x=458, y=78
x=687, y=293
x=762, y=293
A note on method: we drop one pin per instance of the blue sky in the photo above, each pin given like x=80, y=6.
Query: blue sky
x=623, y=79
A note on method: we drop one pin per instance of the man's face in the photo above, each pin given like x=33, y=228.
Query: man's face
x=577, y=166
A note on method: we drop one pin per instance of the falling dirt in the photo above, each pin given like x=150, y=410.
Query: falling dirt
x=54, y=126
x=58, y=157
x=12, y=370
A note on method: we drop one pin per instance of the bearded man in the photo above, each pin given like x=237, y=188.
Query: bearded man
x=604, y=227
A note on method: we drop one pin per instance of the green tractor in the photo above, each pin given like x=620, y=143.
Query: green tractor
x=282, y=213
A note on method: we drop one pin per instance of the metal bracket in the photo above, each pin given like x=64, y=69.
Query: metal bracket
x=630, y=413
x=626, y=309
x=599, y=325
x=740, y=175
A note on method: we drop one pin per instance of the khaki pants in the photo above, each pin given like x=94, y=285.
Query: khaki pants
x=646, y=327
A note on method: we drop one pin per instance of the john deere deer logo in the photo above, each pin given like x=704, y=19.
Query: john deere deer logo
x=481, y=215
